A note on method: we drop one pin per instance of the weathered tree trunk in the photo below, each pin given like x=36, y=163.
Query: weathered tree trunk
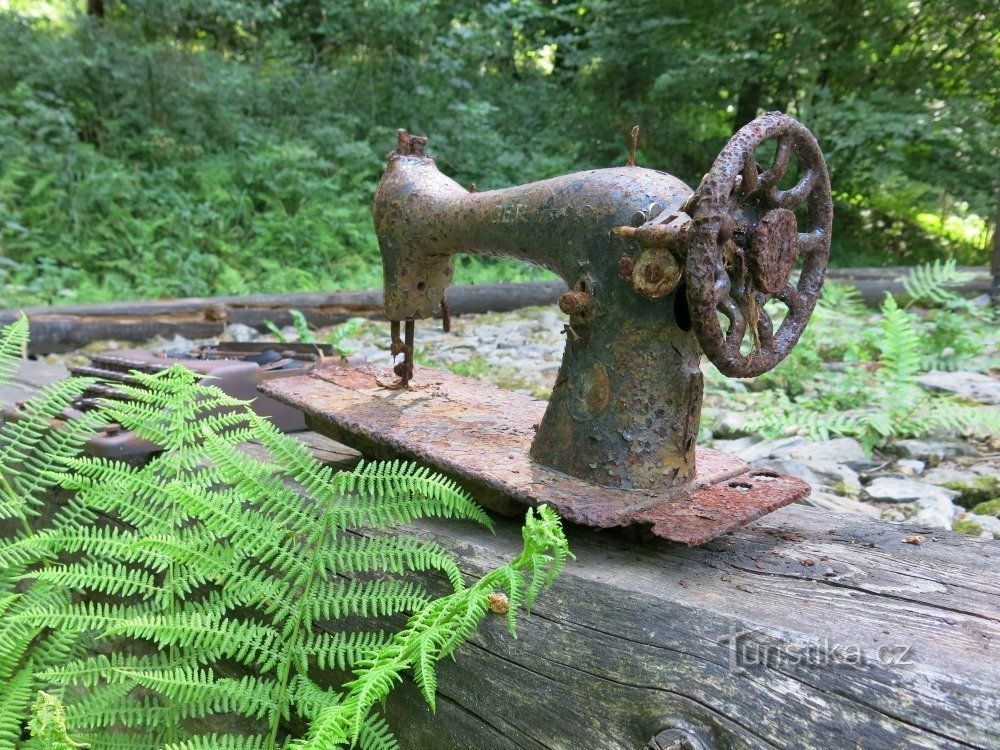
x=807, y=629
x=58, y=329
x=995, y=265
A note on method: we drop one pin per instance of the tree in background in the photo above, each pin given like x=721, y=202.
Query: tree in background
x=234, y=145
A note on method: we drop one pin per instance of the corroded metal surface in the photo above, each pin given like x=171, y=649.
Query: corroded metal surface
x=481, y=435
x=646, y=281
x=743, y=241
x=625, y=407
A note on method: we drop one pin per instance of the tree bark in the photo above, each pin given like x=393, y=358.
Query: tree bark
x=807, y=629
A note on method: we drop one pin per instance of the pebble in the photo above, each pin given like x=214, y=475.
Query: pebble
x=910, y=466
x=929, y=451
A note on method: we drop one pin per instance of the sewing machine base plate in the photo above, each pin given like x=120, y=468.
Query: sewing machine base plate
x=480, y=435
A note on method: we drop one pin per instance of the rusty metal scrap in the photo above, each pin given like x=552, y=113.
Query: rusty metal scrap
x=482, y=435
x=651, y=266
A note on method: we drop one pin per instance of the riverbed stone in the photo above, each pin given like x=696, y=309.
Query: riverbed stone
x=910, y=466
x=930, y=451
x=904, y=490
x=973, y=386
x=839, y=504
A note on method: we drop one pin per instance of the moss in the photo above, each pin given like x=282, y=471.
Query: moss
x=979, y=490
x=967, y=527
x=989, y=508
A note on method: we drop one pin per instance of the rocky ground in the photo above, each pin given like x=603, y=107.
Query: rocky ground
x=937, y=481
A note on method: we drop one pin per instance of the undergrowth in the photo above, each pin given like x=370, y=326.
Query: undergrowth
x=854, y=372
x=211, y=598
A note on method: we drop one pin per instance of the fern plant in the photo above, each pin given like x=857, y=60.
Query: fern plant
x=932, y=282
x=29, y=452
x=210, y=587
x=874, y=396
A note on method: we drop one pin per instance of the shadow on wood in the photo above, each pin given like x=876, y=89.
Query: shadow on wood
x=807, y=629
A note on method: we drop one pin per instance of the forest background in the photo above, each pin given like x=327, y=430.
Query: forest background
x=153, y=148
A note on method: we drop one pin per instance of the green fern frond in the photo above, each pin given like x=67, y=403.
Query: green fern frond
x=930, y=282
x=380, y=554
x=308, y=697
x=900, y=344
x=212, y=635
x=110, y=669
x=337, y=650
x=433, y=633
x=113, y=579
x=199, y=687
x=15, y=697
x=343, y=598
x=376, y=735
x=30, y=447
x=220, y=742
x=48, y=724
x=13, y=343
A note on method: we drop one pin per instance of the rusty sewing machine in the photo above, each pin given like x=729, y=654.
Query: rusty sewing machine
x=655, y=271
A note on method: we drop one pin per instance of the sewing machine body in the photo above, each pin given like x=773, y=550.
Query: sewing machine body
x=657, y=273
x=624, y=411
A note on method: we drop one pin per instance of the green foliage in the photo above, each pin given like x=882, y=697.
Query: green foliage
x=228, y=584
x=855, y=374
x=966, y=526
x=988, y=508
x=234, y=147
x=305, y=333
x=342, y=333
x=929, y=283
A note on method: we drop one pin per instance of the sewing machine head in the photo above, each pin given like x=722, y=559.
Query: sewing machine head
x=650, y=267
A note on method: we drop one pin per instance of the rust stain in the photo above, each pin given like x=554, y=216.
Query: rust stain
x=481, y=435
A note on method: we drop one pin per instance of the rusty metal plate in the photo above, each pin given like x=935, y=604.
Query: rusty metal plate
x=480, y=435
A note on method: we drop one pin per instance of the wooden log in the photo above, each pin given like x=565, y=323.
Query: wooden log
x=873, y=283
x=807, y=629
x=59, y=329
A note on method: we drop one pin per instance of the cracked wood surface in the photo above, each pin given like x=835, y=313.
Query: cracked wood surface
x=634, y=639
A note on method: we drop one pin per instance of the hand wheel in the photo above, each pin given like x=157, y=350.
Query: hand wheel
x=744, y=240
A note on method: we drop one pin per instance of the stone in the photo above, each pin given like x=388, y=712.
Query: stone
x=938, y=512
x=910, y=466
x=838, y=450
x=986, y=469
x=178, y=346
x=989, y=524
x=902, y=490
x=239, y=332
x=735, y=447
x=838, y=504
x=973, y=386
x=838, y=478
x=949, y=475
x=730, y=423
x=931, y=451
x=761, y=449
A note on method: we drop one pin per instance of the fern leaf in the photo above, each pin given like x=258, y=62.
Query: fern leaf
x=930, y=282
x=220, y=742
x=13, y=341
x=900, y=344
x=15, y=697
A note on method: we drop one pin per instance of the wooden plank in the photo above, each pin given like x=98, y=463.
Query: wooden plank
x=635, y=639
